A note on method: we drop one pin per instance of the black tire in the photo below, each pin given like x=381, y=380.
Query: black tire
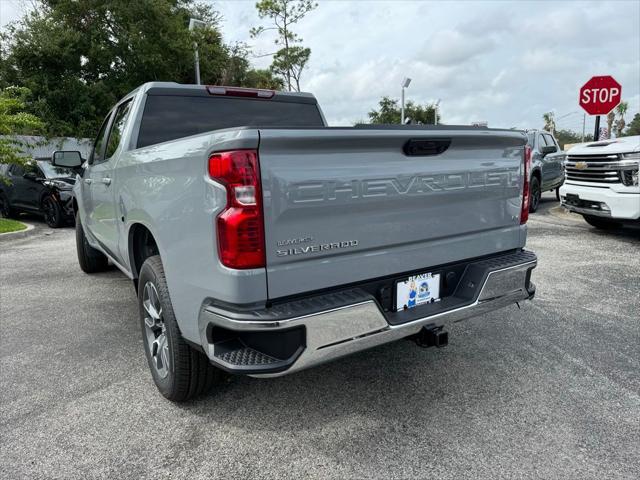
x=52, y=212
x=602, y=223
x=5, y=208
x=90, y=259
x=558, y=194
x=187, y=373
x=534, y=194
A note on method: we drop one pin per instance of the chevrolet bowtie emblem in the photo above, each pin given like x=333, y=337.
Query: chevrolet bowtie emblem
x=581, y=165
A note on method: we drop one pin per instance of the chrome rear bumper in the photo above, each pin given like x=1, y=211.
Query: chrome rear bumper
x=334, y=333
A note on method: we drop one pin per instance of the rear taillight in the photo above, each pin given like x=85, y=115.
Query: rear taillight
x=524, y=212
x=240, y=225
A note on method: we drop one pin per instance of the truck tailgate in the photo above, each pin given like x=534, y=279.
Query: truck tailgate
x=342, y=205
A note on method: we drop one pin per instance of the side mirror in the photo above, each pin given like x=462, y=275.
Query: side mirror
x=66, y=158
x=548, y=149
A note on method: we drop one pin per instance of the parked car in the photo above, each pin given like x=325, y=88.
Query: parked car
x=262, y=242
x=547, y=165
x=602, y=182
x=40, y=188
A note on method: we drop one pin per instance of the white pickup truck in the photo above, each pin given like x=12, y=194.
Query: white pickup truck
x=602, y=182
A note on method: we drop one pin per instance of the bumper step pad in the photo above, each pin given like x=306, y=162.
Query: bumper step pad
x=246, y=356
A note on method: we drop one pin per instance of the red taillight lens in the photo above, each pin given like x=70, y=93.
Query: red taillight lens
x=240, y=224
x=524, y=212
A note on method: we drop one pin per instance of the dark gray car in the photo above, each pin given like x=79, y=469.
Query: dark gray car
x=547, y=165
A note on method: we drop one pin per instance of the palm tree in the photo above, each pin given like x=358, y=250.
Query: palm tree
x=621, y=109
x=611, y=117
x=549, y=122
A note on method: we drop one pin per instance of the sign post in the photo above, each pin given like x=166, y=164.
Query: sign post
x=598, y=97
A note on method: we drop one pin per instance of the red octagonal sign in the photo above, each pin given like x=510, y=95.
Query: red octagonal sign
x=600, y=95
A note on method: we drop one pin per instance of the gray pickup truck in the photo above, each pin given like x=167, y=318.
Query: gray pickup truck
x=261, y=242
x=547, y=166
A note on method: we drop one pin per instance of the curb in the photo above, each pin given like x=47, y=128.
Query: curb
x=27, y=232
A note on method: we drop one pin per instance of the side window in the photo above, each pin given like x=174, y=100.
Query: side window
x=117, y=128
x=541, y=141
x=549, y=140
x=97, y=155
x=17, y=170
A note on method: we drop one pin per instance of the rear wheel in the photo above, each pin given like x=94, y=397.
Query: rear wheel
x=90, y=259
x=5, y=208
x=179, y=371
x=602, y=223
x=52, y=212
x=534, y=195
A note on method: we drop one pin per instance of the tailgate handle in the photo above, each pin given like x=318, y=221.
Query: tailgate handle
x=423, y=147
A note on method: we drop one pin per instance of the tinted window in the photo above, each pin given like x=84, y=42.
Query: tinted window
x=117, y=128
x=549, y=139
x=98, y=147
x=17, y=170
x=170, y=117
x=541, y=141
x=55, y=172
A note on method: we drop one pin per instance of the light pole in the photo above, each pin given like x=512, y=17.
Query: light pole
x=193, y=24
x=436, y=109
x=405, y=84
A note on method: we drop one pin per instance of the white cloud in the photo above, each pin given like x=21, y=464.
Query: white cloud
x=500, y=61
x=450, y=47
x=505, y=62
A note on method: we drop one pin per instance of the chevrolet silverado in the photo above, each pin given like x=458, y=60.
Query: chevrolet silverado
x=261, y=241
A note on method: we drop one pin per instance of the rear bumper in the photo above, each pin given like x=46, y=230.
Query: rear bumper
x=356, y=321
x=602, y=201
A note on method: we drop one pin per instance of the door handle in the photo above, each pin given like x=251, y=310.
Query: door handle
x=88, y=181
x=106, y=180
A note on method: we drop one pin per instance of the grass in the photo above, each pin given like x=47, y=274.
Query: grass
x=7, y=225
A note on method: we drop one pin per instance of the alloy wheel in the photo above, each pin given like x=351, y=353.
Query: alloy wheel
x=535, y=199
x=49, y=210
x=4, y=207
x=155, y=330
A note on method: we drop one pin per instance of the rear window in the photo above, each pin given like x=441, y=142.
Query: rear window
x=168, y=117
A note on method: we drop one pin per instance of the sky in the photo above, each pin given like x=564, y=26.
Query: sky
x=504, y=62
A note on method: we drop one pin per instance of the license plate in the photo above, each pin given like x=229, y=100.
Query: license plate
x=572, y=199
x=417, y=290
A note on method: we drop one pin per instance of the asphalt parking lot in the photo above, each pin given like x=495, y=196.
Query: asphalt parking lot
x=548, y=391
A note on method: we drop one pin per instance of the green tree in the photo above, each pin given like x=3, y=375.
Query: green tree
x=634, y=126
x=611, y=118
x=549, y=122
x=15, y=121
x=621, y=110
x=565, y=136
x=388, y=112
x=290, y=59
x=78, y=57
x=239, y=73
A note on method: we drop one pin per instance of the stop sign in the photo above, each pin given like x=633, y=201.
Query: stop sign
x=600, y=95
